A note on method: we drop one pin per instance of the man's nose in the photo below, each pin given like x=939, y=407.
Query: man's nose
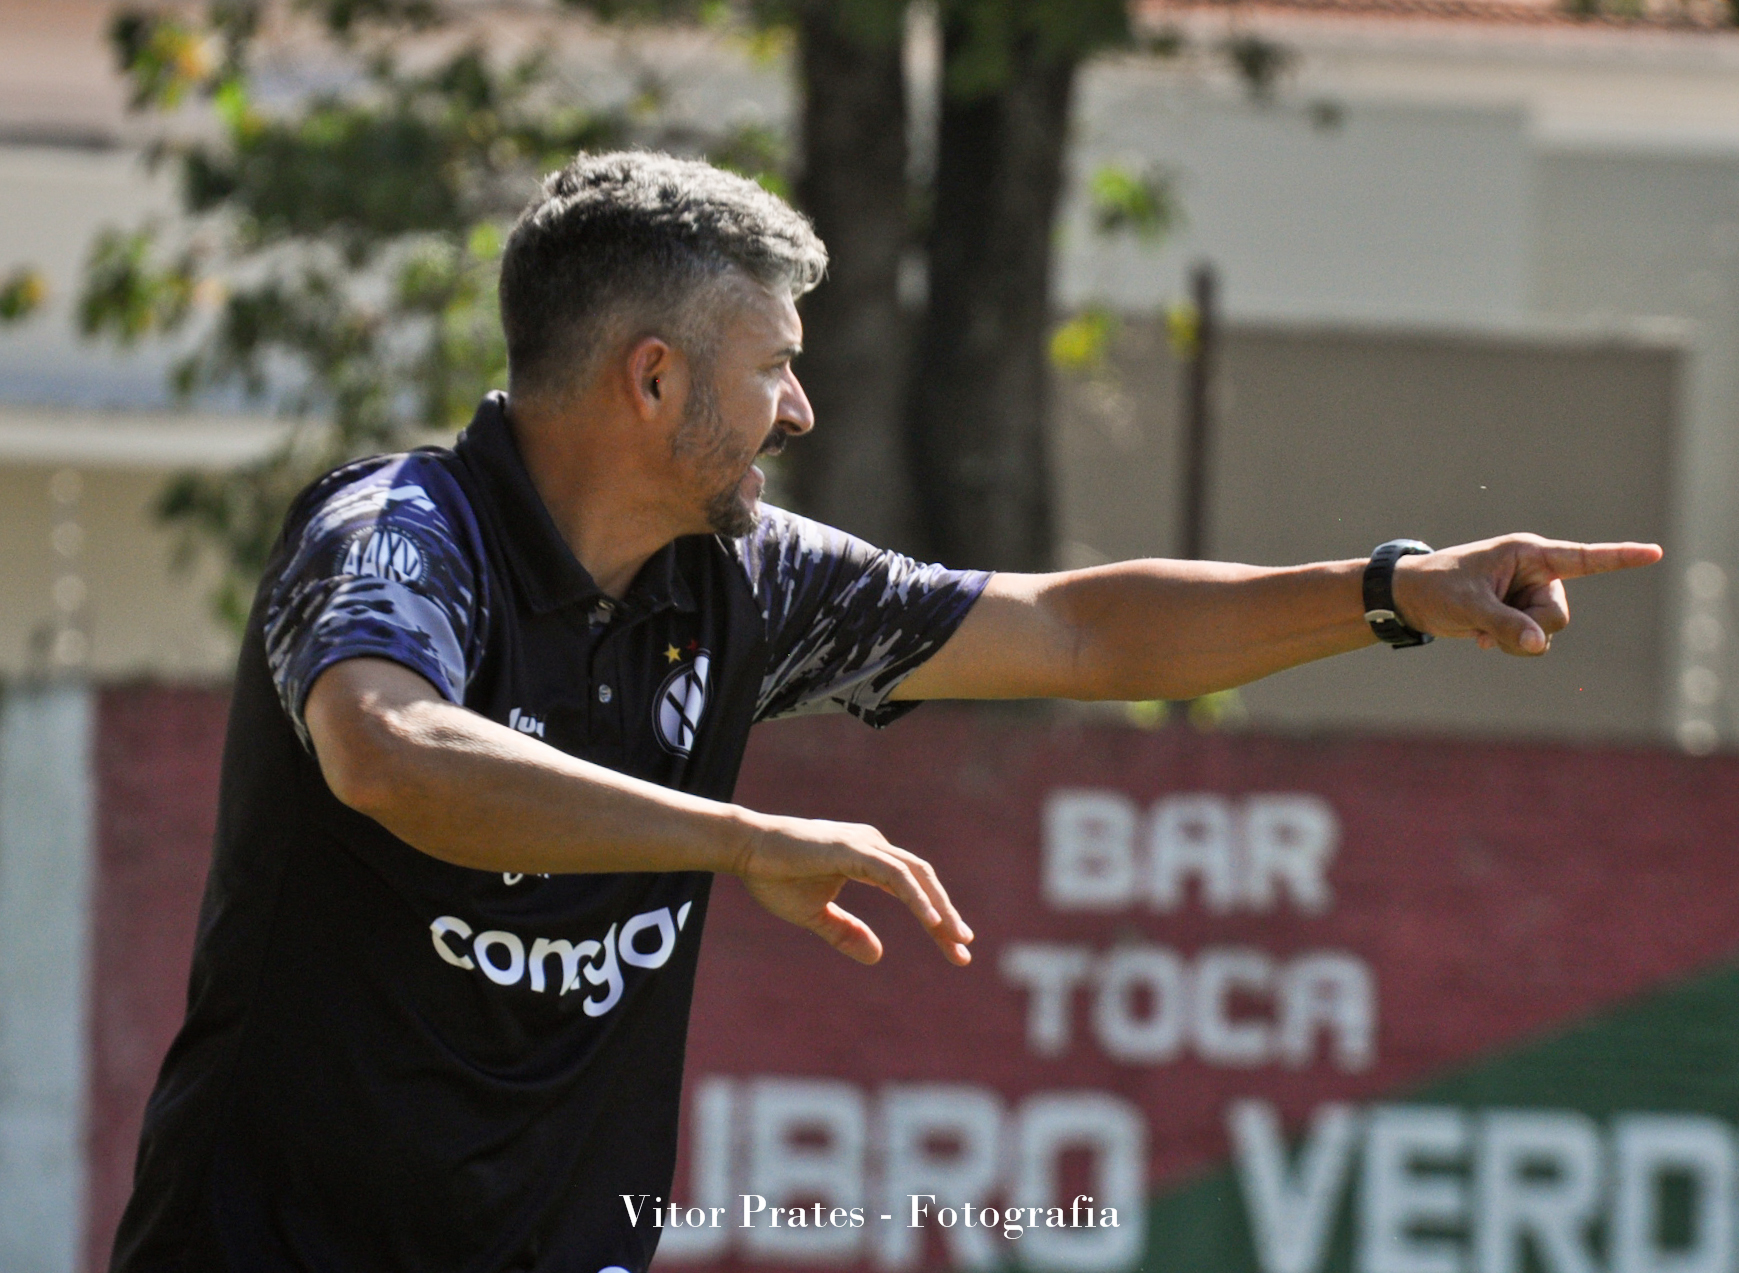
x=796, y=416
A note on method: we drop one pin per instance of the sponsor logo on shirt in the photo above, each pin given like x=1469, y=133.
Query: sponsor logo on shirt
x=524, y=722
x=677, y=707
x=645, y=941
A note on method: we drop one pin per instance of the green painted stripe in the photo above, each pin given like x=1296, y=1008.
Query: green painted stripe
x=1673, y=1051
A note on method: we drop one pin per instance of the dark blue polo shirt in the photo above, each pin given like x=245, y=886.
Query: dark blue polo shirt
x=391, y=1062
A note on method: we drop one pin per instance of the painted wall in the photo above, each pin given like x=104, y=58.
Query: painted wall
x=1330, y=439
x=46, y=811
x=1191, y=950
x=1658, y=233
x=155, y=764
x=1508, y=186
x=54, y=200
x=136, y=611
x=1490, y=988
x=1398, y=212
x=107, y=805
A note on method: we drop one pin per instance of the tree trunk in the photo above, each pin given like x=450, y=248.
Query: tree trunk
x=977, y=405
x=853, y=471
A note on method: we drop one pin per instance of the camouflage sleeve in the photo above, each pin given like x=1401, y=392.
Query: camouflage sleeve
x=383, y=562
x=846, y=622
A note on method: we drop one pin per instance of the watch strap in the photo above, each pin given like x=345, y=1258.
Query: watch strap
x=1379, y=581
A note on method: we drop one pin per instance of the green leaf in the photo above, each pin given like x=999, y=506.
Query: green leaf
x=485, y=241
x=1083, y=344
x=1223, y=709
x=1147, y=713
x=1137, y=203
x=755, y=151
x=236, y=110
x=22, y=293
x=164, y=57
x=129, y=294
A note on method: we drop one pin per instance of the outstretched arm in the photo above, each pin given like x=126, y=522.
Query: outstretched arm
x=447, y=780
x=1151, y=629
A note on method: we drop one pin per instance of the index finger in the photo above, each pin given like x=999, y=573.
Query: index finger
x=1568, y=560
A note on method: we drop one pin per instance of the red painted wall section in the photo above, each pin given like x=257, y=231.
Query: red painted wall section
x=1494, y=892
x=156, y=767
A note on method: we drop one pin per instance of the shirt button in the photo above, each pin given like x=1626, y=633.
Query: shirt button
x=605, y=693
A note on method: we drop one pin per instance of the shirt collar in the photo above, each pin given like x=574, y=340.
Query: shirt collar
x=549, y=574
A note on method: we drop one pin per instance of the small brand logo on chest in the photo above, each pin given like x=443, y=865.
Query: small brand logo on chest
x=525, y=723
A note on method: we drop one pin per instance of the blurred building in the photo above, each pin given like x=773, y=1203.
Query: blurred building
x=1481, y=266
x=1478, y=267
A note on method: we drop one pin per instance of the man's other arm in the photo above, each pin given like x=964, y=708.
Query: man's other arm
x=475, y=793
x=1139, y=630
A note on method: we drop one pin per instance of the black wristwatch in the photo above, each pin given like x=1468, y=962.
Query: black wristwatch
x=1380, y=610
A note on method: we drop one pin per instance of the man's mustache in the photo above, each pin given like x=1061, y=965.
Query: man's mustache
x=775, y=443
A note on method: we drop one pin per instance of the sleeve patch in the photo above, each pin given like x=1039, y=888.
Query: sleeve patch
x=384, y=552
x=380, y=567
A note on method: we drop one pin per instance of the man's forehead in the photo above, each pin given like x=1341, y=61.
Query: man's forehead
x=769, y=318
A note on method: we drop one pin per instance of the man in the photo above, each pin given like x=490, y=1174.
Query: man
x=488, y=719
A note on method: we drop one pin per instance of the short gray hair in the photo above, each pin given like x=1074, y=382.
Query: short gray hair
x=644, y=240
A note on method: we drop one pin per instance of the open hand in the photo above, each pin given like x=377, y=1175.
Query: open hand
x=796, y=867
x=1506, y=593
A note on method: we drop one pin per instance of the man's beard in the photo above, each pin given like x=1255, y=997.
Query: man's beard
x=704, y=438
x=730, y=515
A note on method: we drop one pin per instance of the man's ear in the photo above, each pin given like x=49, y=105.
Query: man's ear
x=655, y=377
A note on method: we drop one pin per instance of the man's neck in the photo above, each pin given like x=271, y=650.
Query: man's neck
x=584, y=464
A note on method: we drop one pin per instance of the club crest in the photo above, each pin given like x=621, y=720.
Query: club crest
x=681, y=699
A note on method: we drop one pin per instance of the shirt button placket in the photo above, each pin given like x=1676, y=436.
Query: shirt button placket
x=607, y=693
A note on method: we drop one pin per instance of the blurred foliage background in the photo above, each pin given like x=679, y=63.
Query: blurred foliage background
x=337, y=259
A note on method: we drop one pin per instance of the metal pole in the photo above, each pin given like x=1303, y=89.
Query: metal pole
x=1198, y=423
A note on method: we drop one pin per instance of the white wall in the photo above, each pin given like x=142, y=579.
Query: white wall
x=53, y=202
x=1489, y=181
x=1626, y=231
x=1397, y=213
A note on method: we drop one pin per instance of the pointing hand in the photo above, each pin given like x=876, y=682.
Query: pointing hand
x=1506, y=593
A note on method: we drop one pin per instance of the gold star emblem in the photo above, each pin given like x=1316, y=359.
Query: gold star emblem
x=672, y=653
